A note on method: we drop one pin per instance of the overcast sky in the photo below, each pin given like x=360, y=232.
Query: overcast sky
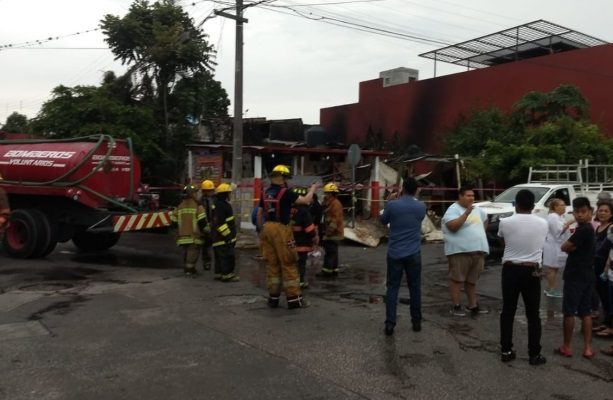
x=293, y=66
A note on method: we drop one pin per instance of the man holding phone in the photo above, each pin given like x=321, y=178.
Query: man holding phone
x=465, y=247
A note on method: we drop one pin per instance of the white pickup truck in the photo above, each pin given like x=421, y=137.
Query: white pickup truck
x=565, y=182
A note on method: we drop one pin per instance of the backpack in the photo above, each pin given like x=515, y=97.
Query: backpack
x=272, y=204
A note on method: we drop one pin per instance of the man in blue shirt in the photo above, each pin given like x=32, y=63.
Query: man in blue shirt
x=404, y=253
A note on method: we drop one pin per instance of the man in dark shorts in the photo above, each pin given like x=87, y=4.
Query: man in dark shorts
x=579, y=279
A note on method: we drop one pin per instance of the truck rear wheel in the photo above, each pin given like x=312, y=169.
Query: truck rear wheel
x=28, y=235
x=89, y=241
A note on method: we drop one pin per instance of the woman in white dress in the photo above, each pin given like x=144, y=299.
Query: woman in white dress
x=553, y=257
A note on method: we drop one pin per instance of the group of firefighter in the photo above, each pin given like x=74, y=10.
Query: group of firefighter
x=289, y=221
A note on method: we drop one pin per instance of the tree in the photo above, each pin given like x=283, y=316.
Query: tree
x=108, y=109
x=544, y=128
x=536, y=107
x=161, y=43
x=16, y=123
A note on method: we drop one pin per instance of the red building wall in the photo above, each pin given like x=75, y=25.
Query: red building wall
x=422, y=111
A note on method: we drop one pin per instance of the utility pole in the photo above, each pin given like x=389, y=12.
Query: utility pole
x=237, y=131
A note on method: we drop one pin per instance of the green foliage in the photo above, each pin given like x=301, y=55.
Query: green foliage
x=544, y=128
x=167, y=87
x=16, y=123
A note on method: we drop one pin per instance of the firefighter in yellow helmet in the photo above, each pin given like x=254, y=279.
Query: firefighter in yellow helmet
x=333, y=231
x=192, y=224
x=305, y=234
x=208, y=196
x=223, y=233
x=277, y=239
x=5, y=209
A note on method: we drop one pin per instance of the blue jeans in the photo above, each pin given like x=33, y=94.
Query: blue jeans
x=411, y=265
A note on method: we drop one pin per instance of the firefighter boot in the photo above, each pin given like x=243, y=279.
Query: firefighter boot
x=273, y=301
x=297, y=302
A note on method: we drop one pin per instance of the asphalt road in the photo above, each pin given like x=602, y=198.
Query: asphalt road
x=125, y=324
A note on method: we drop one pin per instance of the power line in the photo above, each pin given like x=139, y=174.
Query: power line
x=345, y=16
x=336, y=3
x=46, y=40
x=359, y=26
x=57, y=48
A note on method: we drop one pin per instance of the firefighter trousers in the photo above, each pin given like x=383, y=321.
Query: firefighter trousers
x=225, y=260
x=191, y=252
x=207, y=259
x=279, y=252
x=303, y=257
x=330, y=257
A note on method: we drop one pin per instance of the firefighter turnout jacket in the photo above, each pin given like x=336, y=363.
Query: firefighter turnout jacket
x=207, y=204
x=223, y=230
x=305, y=231
x=191, y=221
x=333, y=219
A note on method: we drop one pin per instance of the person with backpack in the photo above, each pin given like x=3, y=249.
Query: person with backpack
x=305, y=234
x=277, y=239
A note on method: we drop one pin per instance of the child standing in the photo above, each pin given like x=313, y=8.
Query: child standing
x=579, y=279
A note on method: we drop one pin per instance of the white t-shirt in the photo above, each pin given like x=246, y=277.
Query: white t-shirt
x=524, y=236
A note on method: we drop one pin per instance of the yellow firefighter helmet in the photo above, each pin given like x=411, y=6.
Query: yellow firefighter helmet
x=223, y=188
x=282, y=170
x=207, y=185
x=330, y=188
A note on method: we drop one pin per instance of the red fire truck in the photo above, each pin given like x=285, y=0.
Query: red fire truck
x=87, y=190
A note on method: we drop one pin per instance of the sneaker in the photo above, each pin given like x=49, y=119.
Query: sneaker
x=206, y=267
x=552, y=293
x=389, y=329
x=457, y=311
x=217, y=277
x=190, y=274
x=304, y=285
x=537, y=360
x=507, y=356
x=476, y=310
x=416, y=326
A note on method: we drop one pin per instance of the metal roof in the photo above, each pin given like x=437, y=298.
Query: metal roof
x=530, y=40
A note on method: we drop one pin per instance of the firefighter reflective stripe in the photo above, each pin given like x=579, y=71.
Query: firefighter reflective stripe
x=136, y=222
x=231, y=218
x=328, y=270
x=188, y=240
x=219, y=243
x=274, y=280
x=297, y=299
x=309, y=228
x=291, y=283
x=224, y=229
